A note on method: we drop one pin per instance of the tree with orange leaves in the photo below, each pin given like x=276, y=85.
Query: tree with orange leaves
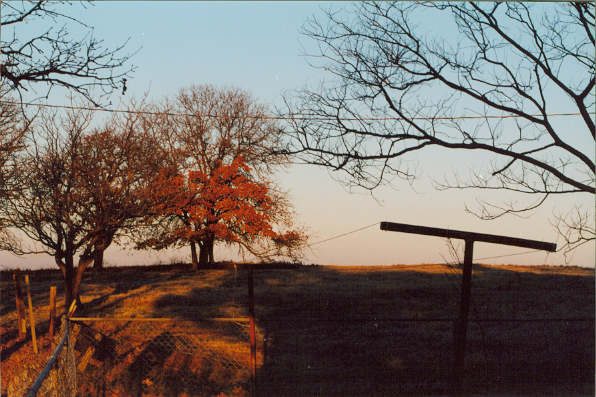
x=227, y=206
x=225, y=146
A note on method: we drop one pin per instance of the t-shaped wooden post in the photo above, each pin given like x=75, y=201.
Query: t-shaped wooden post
x=466, y=285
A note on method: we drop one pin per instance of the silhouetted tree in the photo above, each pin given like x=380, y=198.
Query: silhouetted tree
x=13, y=128
x=493, y=83
x=37, y=52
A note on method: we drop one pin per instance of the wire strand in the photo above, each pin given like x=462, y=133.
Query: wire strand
x=294, y=117
x=498, y=256
x=374, y=224
x=504, y=256
x=344, y=234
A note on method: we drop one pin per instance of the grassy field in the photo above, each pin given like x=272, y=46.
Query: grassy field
x=352, y=331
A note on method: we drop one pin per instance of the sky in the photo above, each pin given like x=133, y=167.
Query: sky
x=257, y=46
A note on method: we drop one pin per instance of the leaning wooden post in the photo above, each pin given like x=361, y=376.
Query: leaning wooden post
x=253, y=338
x=21, y=316
x=52, y=311
x=31, y=316
x=462, y=323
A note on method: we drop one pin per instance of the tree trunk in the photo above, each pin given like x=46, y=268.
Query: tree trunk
x=99, y=248
x=193, y=255
x=203, y=253
x=98, y=259
x=73, y=277
x=206, y=252
x=84, y=262
x=67, y=267
x=210, y=244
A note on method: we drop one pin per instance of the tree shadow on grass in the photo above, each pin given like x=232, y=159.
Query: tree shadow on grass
x=331, y=331
x=167, y=364
x=163, y=369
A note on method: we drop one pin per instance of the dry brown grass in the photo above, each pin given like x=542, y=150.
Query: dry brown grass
x=331, y=331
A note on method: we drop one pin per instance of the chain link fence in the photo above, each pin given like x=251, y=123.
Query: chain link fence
x=354, y=357
x=299, y=355
x=144, y=357
x=54, y=378
x=318, y=356
x=162, y=357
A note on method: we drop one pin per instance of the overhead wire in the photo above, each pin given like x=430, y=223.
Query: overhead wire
x=504, y=256
x=344, y=234
x=293, y=117
x=376, y=223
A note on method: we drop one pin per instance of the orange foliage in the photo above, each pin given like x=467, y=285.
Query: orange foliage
x=226, y=205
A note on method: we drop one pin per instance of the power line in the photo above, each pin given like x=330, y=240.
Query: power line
x=374, y=224
x=504, y=256
x=345, y=234
x=501, y=256
x=294, y=117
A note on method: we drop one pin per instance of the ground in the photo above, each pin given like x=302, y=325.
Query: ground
x=383, y=330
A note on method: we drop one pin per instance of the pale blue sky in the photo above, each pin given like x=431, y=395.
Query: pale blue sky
x=257, y=46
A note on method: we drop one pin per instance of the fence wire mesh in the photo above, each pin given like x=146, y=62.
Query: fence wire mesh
x=58, y=381
x=162, y=358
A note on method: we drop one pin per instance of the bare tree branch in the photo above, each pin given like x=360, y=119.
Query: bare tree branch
x=399, y=90
x=54, y=58
x=77, y=189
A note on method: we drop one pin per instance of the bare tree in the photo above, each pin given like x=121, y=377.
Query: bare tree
x=497, y=83
x=13, y=128
x=77, y=189
x=212, y=126
x=42, y=206
x=51, y=57
x=121, y=167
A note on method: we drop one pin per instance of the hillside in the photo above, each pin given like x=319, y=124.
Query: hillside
x=358, y=331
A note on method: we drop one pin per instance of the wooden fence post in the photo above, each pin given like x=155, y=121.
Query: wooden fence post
x=21, y=316
x=464, y=308
x=52, y=311
x=253, y=339
x=31, y=316
x=462, y=323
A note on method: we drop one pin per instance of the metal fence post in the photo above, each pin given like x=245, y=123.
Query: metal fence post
x=51, y=362
x=70, y=365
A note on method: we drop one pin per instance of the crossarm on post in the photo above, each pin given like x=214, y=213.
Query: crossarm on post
x=468, y=236
x=466, y=286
